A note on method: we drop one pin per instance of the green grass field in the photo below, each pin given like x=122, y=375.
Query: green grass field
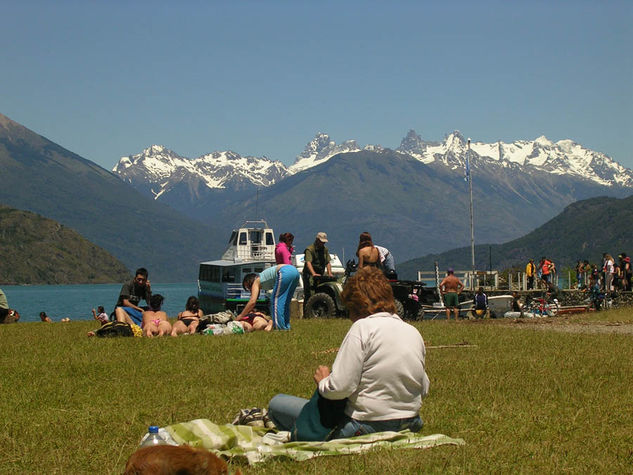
x=552, y=395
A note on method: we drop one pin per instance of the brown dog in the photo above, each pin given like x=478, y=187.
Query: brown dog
x=171, y=460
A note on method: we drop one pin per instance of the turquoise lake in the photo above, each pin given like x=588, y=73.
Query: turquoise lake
x=77, y=301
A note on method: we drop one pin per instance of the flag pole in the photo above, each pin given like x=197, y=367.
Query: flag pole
x=472, y=225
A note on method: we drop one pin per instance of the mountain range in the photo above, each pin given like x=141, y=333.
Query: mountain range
x=160, y=171
x=413, y=199
x=40, y=176
x=583, y=230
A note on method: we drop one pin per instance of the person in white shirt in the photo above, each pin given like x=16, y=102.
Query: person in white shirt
x=379, y=368
x=387, y=260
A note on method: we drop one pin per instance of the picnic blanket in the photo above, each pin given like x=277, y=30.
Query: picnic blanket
x=258, y=444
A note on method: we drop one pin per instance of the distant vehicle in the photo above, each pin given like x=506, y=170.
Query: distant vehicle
x=325, y=302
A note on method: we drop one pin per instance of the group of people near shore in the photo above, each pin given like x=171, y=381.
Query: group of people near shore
x=152, y=320
x=612, y=275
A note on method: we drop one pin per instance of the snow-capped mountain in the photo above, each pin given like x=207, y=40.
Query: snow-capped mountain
x=321, y=149
x=564, y=157
x=161, y=170
x=158, y=170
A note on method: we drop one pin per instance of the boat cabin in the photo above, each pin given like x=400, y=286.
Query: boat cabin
x=251, y=248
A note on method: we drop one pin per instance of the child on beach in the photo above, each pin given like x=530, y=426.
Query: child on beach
x=155, y=320
x=188, y=320
x=102, y=316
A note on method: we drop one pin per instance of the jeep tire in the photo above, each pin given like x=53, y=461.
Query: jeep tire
x=320, y=305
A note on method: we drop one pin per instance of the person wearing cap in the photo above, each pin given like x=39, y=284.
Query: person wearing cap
x=316, y=263
x=450, y=288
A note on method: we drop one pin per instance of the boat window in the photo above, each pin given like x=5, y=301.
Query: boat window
x=233, y=239
x=209, y=274
x=243, y=239
x=256, y=237
x=270, y=240
x=228, y=275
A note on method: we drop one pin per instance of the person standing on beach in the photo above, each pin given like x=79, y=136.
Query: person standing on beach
x=127, y=309
x=450, y=288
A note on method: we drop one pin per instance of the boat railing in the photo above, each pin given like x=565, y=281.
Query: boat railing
x=255, y=251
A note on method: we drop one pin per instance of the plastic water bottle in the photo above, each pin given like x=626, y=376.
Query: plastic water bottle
x=152, y=438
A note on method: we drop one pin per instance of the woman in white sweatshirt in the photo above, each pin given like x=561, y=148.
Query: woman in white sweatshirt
x=379, y=368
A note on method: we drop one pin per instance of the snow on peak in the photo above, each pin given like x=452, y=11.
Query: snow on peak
x=320, y=150
x=544, y=141
x=161, y=168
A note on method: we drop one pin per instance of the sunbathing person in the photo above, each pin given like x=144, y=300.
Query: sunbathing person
x=379, y=368
x=255, y=321
x=189, y=319
x=155, y=320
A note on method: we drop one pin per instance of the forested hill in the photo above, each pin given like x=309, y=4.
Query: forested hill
x=37, y=250
x=584, y=230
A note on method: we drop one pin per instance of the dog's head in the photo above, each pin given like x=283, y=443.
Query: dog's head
x=170, y=460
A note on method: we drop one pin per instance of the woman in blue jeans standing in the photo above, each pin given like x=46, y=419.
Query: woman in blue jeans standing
x=282, y=279
x=379, y=368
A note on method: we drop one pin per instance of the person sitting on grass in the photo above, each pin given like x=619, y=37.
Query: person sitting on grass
x=7, y=315
x=481, y=303
x=379, y=368
x=45, y=318
x=102, y=316
x=127, y=307
x=189, y=319
x=155, y=320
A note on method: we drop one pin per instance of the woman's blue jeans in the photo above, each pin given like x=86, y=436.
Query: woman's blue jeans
x=284, y=409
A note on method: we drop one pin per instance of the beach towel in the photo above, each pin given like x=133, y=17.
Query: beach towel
x=258, y=444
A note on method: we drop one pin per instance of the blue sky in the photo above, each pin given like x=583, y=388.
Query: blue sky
x=108, y=78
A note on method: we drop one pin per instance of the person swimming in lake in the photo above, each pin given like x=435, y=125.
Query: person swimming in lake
x=155, y=320
x=189, y=319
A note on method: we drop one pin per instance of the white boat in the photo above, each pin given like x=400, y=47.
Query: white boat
x=251, y=248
